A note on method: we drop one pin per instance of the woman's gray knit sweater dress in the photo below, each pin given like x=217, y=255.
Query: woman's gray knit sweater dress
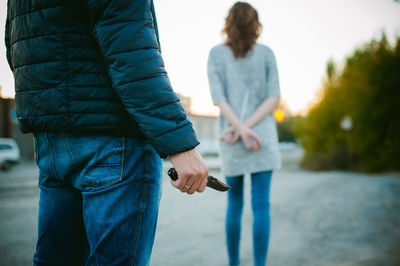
x=245, y=83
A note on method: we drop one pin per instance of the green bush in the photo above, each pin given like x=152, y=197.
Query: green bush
x=367, y=90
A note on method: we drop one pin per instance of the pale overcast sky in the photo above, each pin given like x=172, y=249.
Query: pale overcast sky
x=303, y=35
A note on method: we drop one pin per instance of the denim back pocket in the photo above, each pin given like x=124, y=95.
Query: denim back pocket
x=97, y=159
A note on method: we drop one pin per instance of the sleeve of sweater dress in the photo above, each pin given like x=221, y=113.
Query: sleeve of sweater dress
x=273, y=89
x=126, y=33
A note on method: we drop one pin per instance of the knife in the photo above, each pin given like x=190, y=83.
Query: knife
x=212, y=182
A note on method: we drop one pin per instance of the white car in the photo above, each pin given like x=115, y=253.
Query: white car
x=9, y=153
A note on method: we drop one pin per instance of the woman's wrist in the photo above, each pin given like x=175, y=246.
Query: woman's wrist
x=248, y=123
x=243, y=129
x=237, y=126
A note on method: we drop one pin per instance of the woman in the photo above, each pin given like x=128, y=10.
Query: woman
x=244, y=84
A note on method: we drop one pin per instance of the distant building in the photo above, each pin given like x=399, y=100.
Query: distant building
x=186, y=102
x=206, y=127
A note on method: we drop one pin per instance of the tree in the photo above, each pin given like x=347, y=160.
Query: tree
x=367, y=92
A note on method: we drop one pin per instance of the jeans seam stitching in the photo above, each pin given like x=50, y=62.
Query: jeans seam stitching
x=41, y=178
x=36, y=150
x=36, y=142
x=122, y=159
x=100, y=185
x=52, y=156
x=67, y=150
x=140, y=216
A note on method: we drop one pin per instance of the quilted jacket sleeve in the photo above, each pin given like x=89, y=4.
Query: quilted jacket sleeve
x=126, y=34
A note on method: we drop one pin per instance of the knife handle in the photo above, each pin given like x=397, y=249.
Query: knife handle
x=173, y=174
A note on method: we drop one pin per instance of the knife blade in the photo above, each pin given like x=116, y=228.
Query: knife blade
x=212, y=182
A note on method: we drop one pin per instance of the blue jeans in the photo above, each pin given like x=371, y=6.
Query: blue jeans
x=99, y=199
x=260, y=186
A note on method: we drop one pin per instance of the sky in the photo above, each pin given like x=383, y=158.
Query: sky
x=304, y=35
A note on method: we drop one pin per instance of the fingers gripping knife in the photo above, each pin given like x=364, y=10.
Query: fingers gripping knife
x=212, y=182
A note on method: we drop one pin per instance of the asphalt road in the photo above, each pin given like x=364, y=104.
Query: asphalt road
x=318, y=218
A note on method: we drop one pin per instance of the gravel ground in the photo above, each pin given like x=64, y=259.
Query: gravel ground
x=318, y=218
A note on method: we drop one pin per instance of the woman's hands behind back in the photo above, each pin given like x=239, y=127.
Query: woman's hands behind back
x=250, y=139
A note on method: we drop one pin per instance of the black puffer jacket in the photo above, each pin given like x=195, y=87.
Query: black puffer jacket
x=93, y=67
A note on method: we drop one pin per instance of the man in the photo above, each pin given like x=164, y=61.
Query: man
x=91, y=85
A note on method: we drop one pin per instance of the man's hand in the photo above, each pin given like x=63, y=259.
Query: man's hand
x=192, y=171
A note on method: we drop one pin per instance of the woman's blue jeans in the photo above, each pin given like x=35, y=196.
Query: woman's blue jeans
x=260, y=187
x=99, y=198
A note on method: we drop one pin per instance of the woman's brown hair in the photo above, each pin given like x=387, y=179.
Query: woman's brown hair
x=242, y=28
